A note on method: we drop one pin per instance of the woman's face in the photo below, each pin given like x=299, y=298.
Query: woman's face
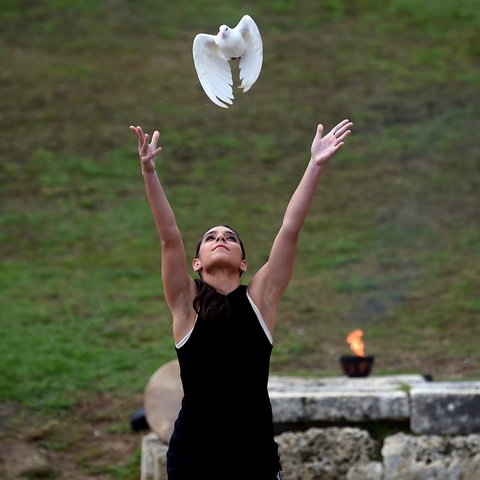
x=221, y=247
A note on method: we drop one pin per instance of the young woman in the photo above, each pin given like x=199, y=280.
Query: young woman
x=223, y=329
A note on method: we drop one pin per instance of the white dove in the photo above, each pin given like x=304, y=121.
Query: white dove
x=212, y=54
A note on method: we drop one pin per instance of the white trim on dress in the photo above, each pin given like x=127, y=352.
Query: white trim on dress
x=260, y=319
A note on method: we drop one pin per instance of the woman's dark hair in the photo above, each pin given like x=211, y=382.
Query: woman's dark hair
x=209, y=303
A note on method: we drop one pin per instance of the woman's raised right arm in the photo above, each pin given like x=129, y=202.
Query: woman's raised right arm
x=177, y=283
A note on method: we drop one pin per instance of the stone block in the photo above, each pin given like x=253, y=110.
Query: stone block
x=341, y=399
x=153, y=465
x=327, y=454
x=427, y=457
x=339, y=406
x=447, y=408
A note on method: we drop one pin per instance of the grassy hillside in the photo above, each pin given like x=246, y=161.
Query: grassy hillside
x=391, y=245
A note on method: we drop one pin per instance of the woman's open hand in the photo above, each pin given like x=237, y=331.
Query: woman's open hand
x=324, y=148
x=147, y=151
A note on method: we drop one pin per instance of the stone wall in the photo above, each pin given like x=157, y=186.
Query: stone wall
x=351, y=453
x=376, y=428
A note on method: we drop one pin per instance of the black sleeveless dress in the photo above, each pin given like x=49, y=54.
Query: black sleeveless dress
x=225, y=429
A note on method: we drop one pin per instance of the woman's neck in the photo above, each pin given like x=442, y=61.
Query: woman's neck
x=223, y=284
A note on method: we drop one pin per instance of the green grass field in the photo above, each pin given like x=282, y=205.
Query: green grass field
x=391, y=244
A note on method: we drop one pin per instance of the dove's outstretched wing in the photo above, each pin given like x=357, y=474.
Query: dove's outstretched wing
x=213, y=70
x=251, y=61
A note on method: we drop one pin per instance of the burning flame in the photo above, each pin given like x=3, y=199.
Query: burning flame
x=356, y=343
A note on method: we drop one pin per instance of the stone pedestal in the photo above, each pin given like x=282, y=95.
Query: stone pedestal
x=154, y=460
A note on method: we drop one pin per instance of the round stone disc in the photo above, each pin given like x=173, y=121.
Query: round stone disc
x=162, y=399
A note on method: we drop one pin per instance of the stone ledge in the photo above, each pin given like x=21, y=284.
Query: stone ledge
x=341, y=399
x=340, y=407
x=446, y=408
x=278, y=383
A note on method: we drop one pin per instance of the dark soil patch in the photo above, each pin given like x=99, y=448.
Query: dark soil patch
x=92, y=441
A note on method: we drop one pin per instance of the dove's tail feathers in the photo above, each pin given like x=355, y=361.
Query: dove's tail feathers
x=223, y=105
x=224, y=102
x=246, y=85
